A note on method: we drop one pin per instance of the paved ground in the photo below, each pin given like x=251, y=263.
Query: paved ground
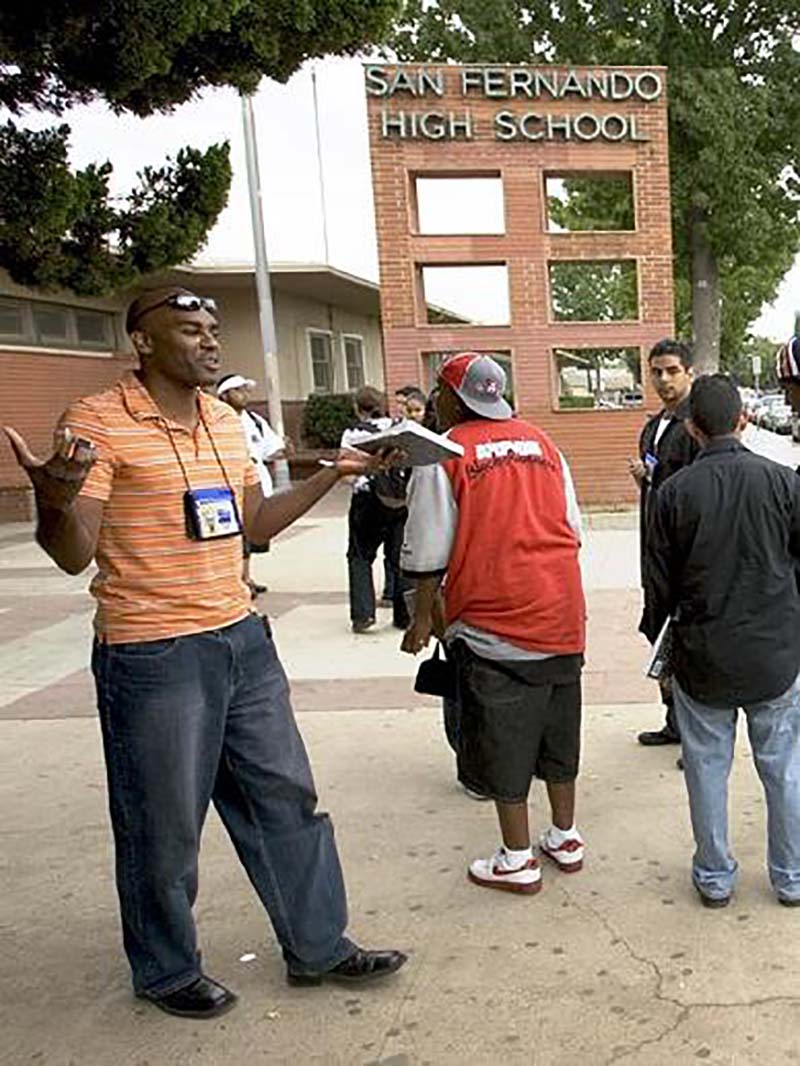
x=618, y=963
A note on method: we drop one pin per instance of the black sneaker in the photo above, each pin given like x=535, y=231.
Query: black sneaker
x=362, y=627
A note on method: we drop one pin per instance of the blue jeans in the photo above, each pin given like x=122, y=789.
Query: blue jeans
x=199, y=718
x=708, y=736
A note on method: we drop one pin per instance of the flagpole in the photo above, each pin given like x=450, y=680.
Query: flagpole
x=266, y=313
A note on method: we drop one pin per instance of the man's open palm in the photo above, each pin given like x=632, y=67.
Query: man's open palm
x=57, y=480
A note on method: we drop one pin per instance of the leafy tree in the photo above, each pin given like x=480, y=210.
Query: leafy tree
x=589, y=291
x=60, y=228
x=734, y=119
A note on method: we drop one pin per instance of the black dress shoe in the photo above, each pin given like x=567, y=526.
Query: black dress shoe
x=203, y=998
x=656, y=737
x=360, y=966
x=713, y=902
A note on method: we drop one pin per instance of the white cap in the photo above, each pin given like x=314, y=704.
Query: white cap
x=235, y=381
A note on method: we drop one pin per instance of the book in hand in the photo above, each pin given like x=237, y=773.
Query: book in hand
x=660, y=663
x=421, y=446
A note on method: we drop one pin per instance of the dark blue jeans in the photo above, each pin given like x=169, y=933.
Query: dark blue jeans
x=194, y=719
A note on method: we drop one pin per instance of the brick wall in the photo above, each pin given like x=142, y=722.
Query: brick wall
x=34, y=390
x=597, y=443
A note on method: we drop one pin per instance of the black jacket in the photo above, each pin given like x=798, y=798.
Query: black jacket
x=721, y=555
x=676, y=449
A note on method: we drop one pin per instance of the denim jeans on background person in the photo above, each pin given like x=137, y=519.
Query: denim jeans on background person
x=708, y=736
x=199, y=718
x=370, y=524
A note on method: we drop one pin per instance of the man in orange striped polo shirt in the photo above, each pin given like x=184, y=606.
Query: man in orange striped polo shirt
x=152, y=480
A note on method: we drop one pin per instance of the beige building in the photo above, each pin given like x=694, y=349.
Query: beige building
x=55, y=346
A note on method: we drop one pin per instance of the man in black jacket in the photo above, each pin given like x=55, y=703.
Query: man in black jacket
x=722, y=551
x=665, y=446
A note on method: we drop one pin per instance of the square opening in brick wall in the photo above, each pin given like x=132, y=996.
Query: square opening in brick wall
x=598, y=379
x=464, y=294
x=446, y=204
x=588, y=201
x=602, y=290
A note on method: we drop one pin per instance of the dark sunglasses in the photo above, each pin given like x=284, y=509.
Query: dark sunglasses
x=179, y=301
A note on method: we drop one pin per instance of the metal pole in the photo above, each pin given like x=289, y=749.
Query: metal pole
x=319, y=167
x=266, y=316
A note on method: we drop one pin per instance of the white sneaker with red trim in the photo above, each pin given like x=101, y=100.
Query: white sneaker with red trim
x=566, y=854
x=498, y=873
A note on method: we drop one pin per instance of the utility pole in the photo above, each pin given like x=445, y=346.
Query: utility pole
x=266, y=314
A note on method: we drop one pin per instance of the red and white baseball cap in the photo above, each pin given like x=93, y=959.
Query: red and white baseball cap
x=479, y=382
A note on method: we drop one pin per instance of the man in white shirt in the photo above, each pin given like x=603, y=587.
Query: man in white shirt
x=264, y=445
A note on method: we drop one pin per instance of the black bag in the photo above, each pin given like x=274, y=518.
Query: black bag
x=437, y=676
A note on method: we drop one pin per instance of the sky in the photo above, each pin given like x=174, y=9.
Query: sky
x=290, y=174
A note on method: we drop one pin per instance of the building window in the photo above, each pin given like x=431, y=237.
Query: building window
x=51, y=325
x=93, y=329
x=13, y=327
x=354, y=361
x=599, y=379
x=321, y=349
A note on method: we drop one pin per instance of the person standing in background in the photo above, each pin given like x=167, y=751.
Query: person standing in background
x=665, y=446
x=264, y=446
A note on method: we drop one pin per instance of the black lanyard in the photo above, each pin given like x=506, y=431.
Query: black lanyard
x=213, y=448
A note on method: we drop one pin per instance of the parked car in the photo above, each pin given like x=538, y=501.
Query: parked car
x=759, y=411
x=778, y=418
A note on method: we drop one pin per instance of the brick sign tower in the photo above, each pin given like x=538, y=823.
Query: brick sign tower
x=524, y=211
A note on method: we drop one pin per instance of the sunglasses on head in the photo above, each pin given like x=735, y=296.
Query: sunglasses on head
x=181, y=301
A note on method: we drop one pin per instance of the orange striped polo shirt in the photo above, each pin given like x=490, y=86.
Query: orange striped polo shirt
x=153, y=582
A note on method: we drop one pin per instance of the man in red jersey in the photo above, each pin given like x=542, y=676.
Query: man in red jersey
x=499, y=528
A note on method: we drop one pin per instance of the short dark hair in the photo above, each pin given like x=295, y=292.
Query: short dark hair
x=416, y=394
x=407, y=390
x=370, y=401
x=715, y=405
x=670, y=346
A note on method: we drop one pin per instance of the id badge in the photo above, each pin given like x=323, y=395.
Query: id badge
x=650, y=464
x=211, y=514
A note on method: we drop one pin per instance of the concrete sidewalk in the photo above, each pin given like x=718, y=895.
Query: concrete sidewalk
x=618, y=963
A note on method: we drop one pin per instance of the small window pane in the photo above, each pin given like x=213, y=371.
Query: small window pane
x=94, y=329
x=606, y=379
x=12, y=320
x=594, y=291
x=321, y=362
x=354, y=361
x=50, y=323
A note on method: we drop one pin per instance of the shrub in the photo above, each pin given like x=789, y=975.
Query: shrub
x=326, y=417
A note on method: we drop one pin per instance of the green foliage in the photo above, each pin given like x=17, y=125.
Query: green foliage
x=741, y=364
x=594, y=292
x=594, y=204
x=326, y=418
x=734, y=113
x=60, y=229
x=148, y=55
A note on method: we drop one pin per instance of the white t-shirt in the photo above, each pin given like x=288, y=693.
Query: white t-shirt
x=263, y=443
